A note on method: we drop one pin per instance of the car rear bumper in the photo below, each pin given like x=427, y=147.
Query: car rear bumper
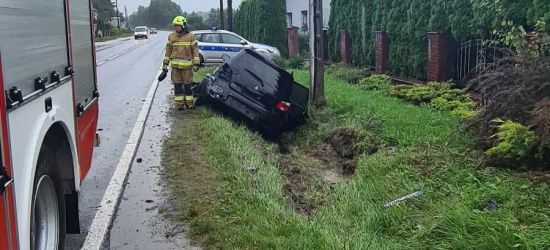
x=269, y=118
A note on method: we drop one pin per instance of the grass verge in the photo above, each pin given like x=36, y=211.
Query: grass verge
x=109, y=38
x=418, y=148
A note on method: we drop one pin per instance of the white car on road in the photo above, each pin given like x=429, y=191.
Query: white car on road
x=214, y=44
x=141, y=32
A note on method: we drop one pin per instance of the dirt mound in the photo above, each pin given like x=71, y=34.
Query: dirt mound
x=344, y=141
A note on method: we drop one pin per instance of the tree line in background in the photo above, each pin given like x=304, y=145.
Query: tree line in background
x=262, y=21
x=160, y=13
x=104, y=28
x=407, y=23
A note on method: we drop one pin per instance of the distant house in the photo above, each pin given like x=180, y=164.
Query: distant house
x=297, y=13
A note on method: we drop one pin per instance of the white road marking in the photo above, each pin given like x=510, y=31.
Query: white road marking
x=124, y=52
x=104, y=216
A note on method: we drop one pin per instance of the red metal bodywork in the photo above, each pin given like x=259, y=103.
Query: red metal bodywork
x=86, y=129
x=6, y=199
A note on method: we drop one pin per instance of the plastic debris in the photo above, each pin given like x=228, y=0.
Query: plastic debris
x=493, y=205
x=251, y=168
x=404, y=198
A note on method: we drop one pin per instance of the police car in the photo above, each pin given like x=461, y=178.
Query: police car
x=214, y=44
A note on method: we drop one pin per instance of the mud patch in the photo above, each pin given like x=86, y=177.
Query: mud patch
x=344, y=141
x=537, y=178
x=311, y=173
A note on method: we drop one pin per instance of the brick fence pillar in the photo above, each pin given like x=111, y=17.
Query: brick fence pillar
x=382, y=49
x=293, y=42
x=345, y=47
x=437, y=63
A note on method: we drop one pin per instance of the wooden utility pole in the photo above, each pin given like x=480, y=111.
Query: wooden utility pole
x=230, y=15
x=126, y=15
x=317, y=50
x=221, y=15
x=117, y=15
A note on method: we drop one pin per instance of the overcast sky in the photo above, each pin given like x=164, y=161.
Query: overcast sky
x=186, y=5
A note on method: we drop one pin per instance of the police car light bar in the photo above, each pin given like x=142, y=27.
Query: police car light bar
x=214, y=28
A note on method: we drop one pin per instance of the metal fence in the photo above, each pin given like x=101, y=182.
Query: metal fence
x=473, y=57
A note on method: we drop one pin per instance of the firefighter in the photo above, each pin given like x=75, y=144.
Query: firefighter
x=182, y=55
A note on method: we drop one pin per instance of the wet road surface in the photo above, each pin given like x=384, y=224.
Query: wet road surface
x=123, y=83
x=139, y=222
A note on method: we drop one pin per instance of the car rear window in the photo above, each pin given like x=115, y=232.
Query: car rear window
x=260, y=69
x=140, y=29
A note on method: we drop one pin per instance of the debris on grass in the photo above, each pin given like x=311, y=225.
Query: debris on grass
x=251, y=168
x=403, y=199
x=492, y=205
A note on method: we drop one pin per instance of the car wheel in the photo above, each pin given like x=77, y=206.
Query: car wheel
x=201, y=60
x=48, y=218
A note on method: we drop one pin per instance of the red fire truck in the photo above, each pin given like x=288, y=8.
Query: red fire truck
x=48, y=118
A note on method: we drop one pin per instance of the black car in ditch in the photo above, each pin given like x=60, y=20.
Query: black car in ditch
x=258, y=89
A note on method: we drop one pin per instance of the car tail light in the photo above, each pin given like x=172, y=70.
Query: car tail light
x=283, y=106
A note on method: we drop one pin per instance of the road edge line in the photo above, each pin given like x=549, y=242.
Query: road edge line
x=104, y=216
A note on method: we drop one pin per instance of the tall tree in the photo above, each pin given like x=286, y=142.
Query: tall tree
x=213, y=18
x=194, y=21
x=268, y=19
x=159, y=14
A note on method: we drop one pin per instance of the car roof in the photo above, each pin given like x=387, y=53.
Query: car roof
x=212, y=31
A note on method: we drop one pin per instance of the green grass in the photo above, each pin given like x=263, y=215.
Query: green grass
x=420, y=149
x=109, y=38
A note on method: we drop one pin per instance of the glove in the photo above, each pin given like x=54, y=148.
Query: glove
x=163, y=75
x=195, y=68
x=165, y=68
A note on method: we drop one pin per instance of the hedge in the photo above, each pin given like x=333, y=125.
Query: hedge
x=407, y=22
x=262, y=21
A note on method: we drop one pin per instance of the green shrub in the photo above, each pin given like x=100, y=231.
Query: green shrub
x=376, y=82
x=347, y=73
x=438, y=96
x=464, y=113
x=514, y=140
x=296, y=62
x=281, y=61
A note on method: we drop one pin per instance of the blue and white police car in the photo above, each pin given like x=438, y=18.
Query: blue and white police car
x=214, y=44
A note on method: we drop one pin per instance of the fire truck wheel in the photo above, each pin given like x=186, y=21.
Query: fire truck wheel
x=48, y=226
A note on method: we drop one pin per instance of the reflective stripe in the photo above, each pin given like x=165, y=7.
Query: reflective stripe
x=178, y=98
x=181, y=63
x=170, y=42
x=189, y=98
x=184, y=43
x=167, y=58
x=196, y=59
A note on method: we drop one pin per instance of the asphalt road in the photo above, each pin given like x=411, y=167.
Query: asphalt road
x=125, y=74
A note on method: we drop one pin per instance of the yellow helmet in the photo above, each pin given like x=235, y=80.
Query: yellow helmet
x=180, y=20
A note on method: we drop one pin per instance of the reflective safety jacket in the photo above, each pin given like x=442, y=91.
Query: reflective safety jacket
x=181, y=51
